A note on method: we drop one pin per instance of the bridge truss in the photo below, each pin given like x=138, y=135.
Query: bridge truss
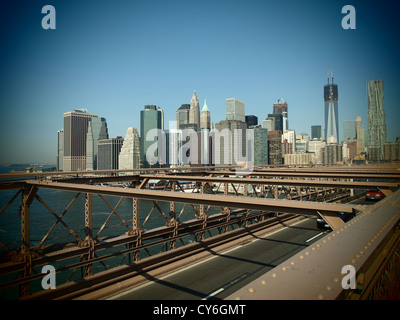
x=223, y=205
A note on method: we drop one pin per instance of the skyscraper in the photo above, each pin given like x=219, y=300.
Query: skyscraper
x=275, y=147
x=251, y=120
x=108, y=152
x=129, y=156
x=75, y=132
x=260, y=146
x=269, y=124
x=235, y=110
x=360, y=136
x=281, y=107
x=277, y=119
x=97, y=130
x=205, y=118
x=60, y=150
x=151, y=119
x=316, y=132
x=226, y=149
x=331, y=112
x=182, y=116
x=349, y=130
x=194, y=111
x=290, y=137
x=376, y=115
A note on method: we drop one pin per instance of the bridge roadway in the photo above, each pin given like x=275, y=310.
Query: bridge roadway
x=225, y=272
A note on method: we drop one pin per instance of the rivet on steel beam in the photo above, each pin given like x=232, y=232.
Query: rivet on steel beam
x=251, y=290
x=329, y=288
x=284, y=269
x=307, y=253
x=301, y=257
x=264, y=282
x=292, y=263
x=274, y=275
x=318, y=245
x=313, y=248
x=353, y=261
x=336, y=280
x=238, y=298
x=320, y=297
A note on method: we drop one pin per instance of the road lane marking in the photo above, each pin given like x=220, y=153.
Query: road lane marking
x=213, y=293
x=312, y=238
x=227, y=285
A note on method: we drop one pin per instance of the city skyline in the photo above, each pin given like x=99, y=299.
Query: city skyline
x=113, y=59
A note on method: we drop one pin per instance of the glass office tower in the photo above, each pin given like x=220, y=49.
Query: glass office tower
x=97, y=130
x=331, y=112
x=235, y=109
x=152, y=117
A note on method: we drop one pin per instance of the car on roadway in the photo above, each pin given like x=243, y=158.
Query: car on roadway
x=374, y=195
x=345, y=216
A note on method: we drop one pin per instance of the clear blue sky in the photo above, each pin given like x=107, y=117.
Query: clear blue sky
x=114, y=57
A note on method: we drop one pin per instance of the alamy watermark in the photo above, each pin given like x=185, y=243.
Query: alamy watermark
x=49, y=20
x=180, y=147
x=49, y=280
x=349, y=20
x=349, y=280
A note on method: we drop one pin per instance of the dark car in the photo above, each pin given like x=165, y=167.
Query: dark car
x=345, y=216
x=375, y=195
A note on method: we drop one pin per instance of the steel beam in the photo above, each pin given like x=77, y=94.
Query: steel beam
x=318, y=175
x=280, y=182
x=28, y=195
x=107, y=172
x=332, y=219
x=276, y=205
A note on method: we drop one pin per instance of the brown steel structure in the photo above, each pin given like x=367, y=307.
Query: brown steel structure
x=241, y=203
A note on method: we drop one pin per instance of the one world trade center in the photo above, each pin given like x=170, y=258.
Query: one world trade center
x=331, y=112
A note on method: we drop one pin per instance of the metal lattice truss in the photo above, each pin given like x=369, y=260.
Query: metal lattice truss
x=222, y=205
